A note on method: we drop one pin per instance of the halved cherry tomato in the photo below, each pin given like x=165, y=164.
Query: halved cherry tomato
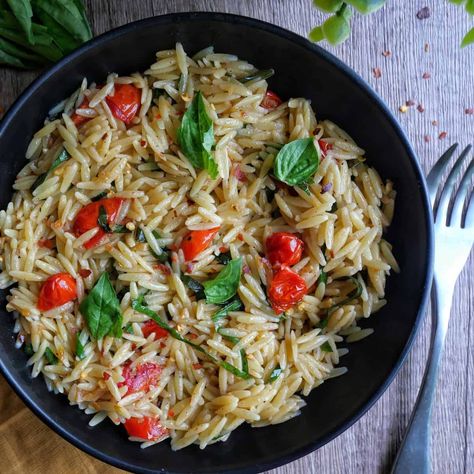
x=271, y=100
x=284, y=248
x=145, y=428
x=150, y=327
x=325, y=147
x=286, y=289
x=57, y=290
x=125, y=102
x=196, y=241
x=86, y=219
x=80, y=119
x=141, y=377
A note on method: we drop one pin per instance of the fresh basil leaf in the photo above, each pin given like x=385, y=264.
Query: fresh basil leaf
x=235, y=305
x=176, y=335
x=120, y=229
x=322, y=278
x=29, y=350
x=258, y=76
x=225, y=285
x=23, y=13
x=196, y=136
x=140, y=235
x=326, y=347
x=99, y=196
x=103, y=220
x=50, y=356
x=101, y=309
x=20, y=55
x=224, y=258
x=12, y=60
x=276, y=372
x=296, y=162
x=195, y=286
x=81, y=341
x=82, y=10
x=61, y=158
x=128, y=328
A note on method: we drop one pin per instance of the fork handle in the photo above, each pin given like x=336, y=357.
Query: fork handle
x=414, y=454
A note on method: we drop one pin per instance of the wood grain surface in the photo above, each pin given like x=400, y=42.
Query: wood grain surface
x=417, y=47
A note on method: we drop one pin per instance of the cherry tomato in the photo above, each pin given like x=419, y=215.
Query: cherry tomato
x=325, y=147
x=284, y=248
x=86, y=219
x=287, y=289
x=150, y=327
x=141, y=377
x=145, y=428
x=80, y=119
x=125, y=102
x=46, y=243
x=196, y=241
x=271, y=100
x=57, y=290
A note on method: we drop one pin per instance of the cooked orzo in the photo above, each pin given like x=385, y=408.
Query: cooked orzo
x=190, y=251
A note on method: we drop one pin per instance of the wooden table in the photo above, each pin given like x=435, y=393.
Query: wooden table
x=416, y=47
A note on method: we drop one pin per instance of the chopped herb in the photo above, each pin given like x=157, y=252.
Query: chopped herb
x=276, y=213
x=128, y=328
x=29, y=350
x=140, y=235
x=120, y=229
x=176, y=335
x=235, y=305
x=81, y=341
x=61, y=158
x=276, y=372
x=195, y=286
x=283, y=317
x=103, y=220
x=224, y=258
x=224, y=286
x=258, y=76
x=99, y=196
x=333, y=207
x=50, y=356
x=270, y=193
x=323, y=277
x=326, y=347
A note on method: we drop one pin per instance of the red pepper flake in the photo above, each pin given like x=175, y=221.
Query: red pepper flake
x=410, y=103
x=420, y=108
x=386, y=53
x=240, y=237
x=85, y=272
x=442, y=135
x=191, y=335
x=197, y=366
x=427, y=138
x=376, y=72
x=434, y=123
x=469, y=111
x=426, y=75
x=246, y=270
x=143, y=143
x=424, y=13
x=170, y=414
x=106, y=376
x=46, y=243
x=240, y=175
x=162, y=345
x=173, y=247
x=158, y=116
x=134, y=346
x=162, y=268
x=189, y=267
x=223, y=249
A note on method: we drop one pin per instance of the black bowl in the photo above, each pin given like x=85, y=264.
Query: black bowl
x=302, y=69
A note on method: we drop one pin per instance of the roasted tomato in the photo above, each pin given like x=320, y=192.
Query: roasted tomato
x=141, y=377
x=57, y=290
x=324, y=147
x=145, y=428
x=287, y=289
x=150, y=327
x=80, y=119
x=196, y=241
x=86, y=219
x=125, y=102
x=271, y=100
x=284, y=248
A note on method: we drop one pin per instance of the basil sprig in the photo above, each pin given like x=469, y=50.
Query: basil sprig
x=224, y=286
x=176, y=335
x=196, y=136
x=61, y=158
x=101, y=309
x=296, y=162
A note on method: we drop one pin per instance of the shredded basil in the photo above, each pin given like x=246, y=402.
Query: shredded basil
x=103, y=220
x=101, y=309
x=99, y=196
x=128, y=328
x=270, y=193
x=61, y=158
x=176, y=335
x=50, y=356
x=258, y=76
x=235, y=305
x=196, y=136
x=81, y=341
x=224, y=286
x=195, y=286
x=224, y=258
x=276, y=372
x=326, y=347
x=297, y=162
x=29, y=350
x=139, y=235
x=323, y=277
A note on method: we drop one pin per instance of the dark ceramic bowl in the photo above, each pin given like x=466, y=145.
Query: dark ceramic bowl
x=302, y=69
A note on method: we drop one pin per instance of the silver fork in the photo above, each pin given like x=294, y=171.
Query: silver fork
x=453, y=242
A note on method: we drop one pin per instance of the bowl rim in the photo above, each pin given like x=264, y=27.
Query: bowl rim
x=337, y=63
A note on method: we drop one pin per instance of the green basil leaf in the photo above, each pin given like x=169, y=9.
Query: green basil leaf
x=258, y=76
x=103, y=220
x=82, y=10
x=128, y=328
x=140, y=235
x=326, y=347
x=99, y=196
x=61, y=158
x=235, y=305
x=195, y=286
x=276, y=372
x=322, y=278
x=296, y=162
x=29, y=350
x=120, y=229
x=225, y=285
x=101, y=309
x=23, y=13
x=468, y=38
x=81, y=341
x=50, y=356
x=20, y=55
x=224, y=258
x=176, y=335
x=196, y=136
x=12, y=59
x=366, y=6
